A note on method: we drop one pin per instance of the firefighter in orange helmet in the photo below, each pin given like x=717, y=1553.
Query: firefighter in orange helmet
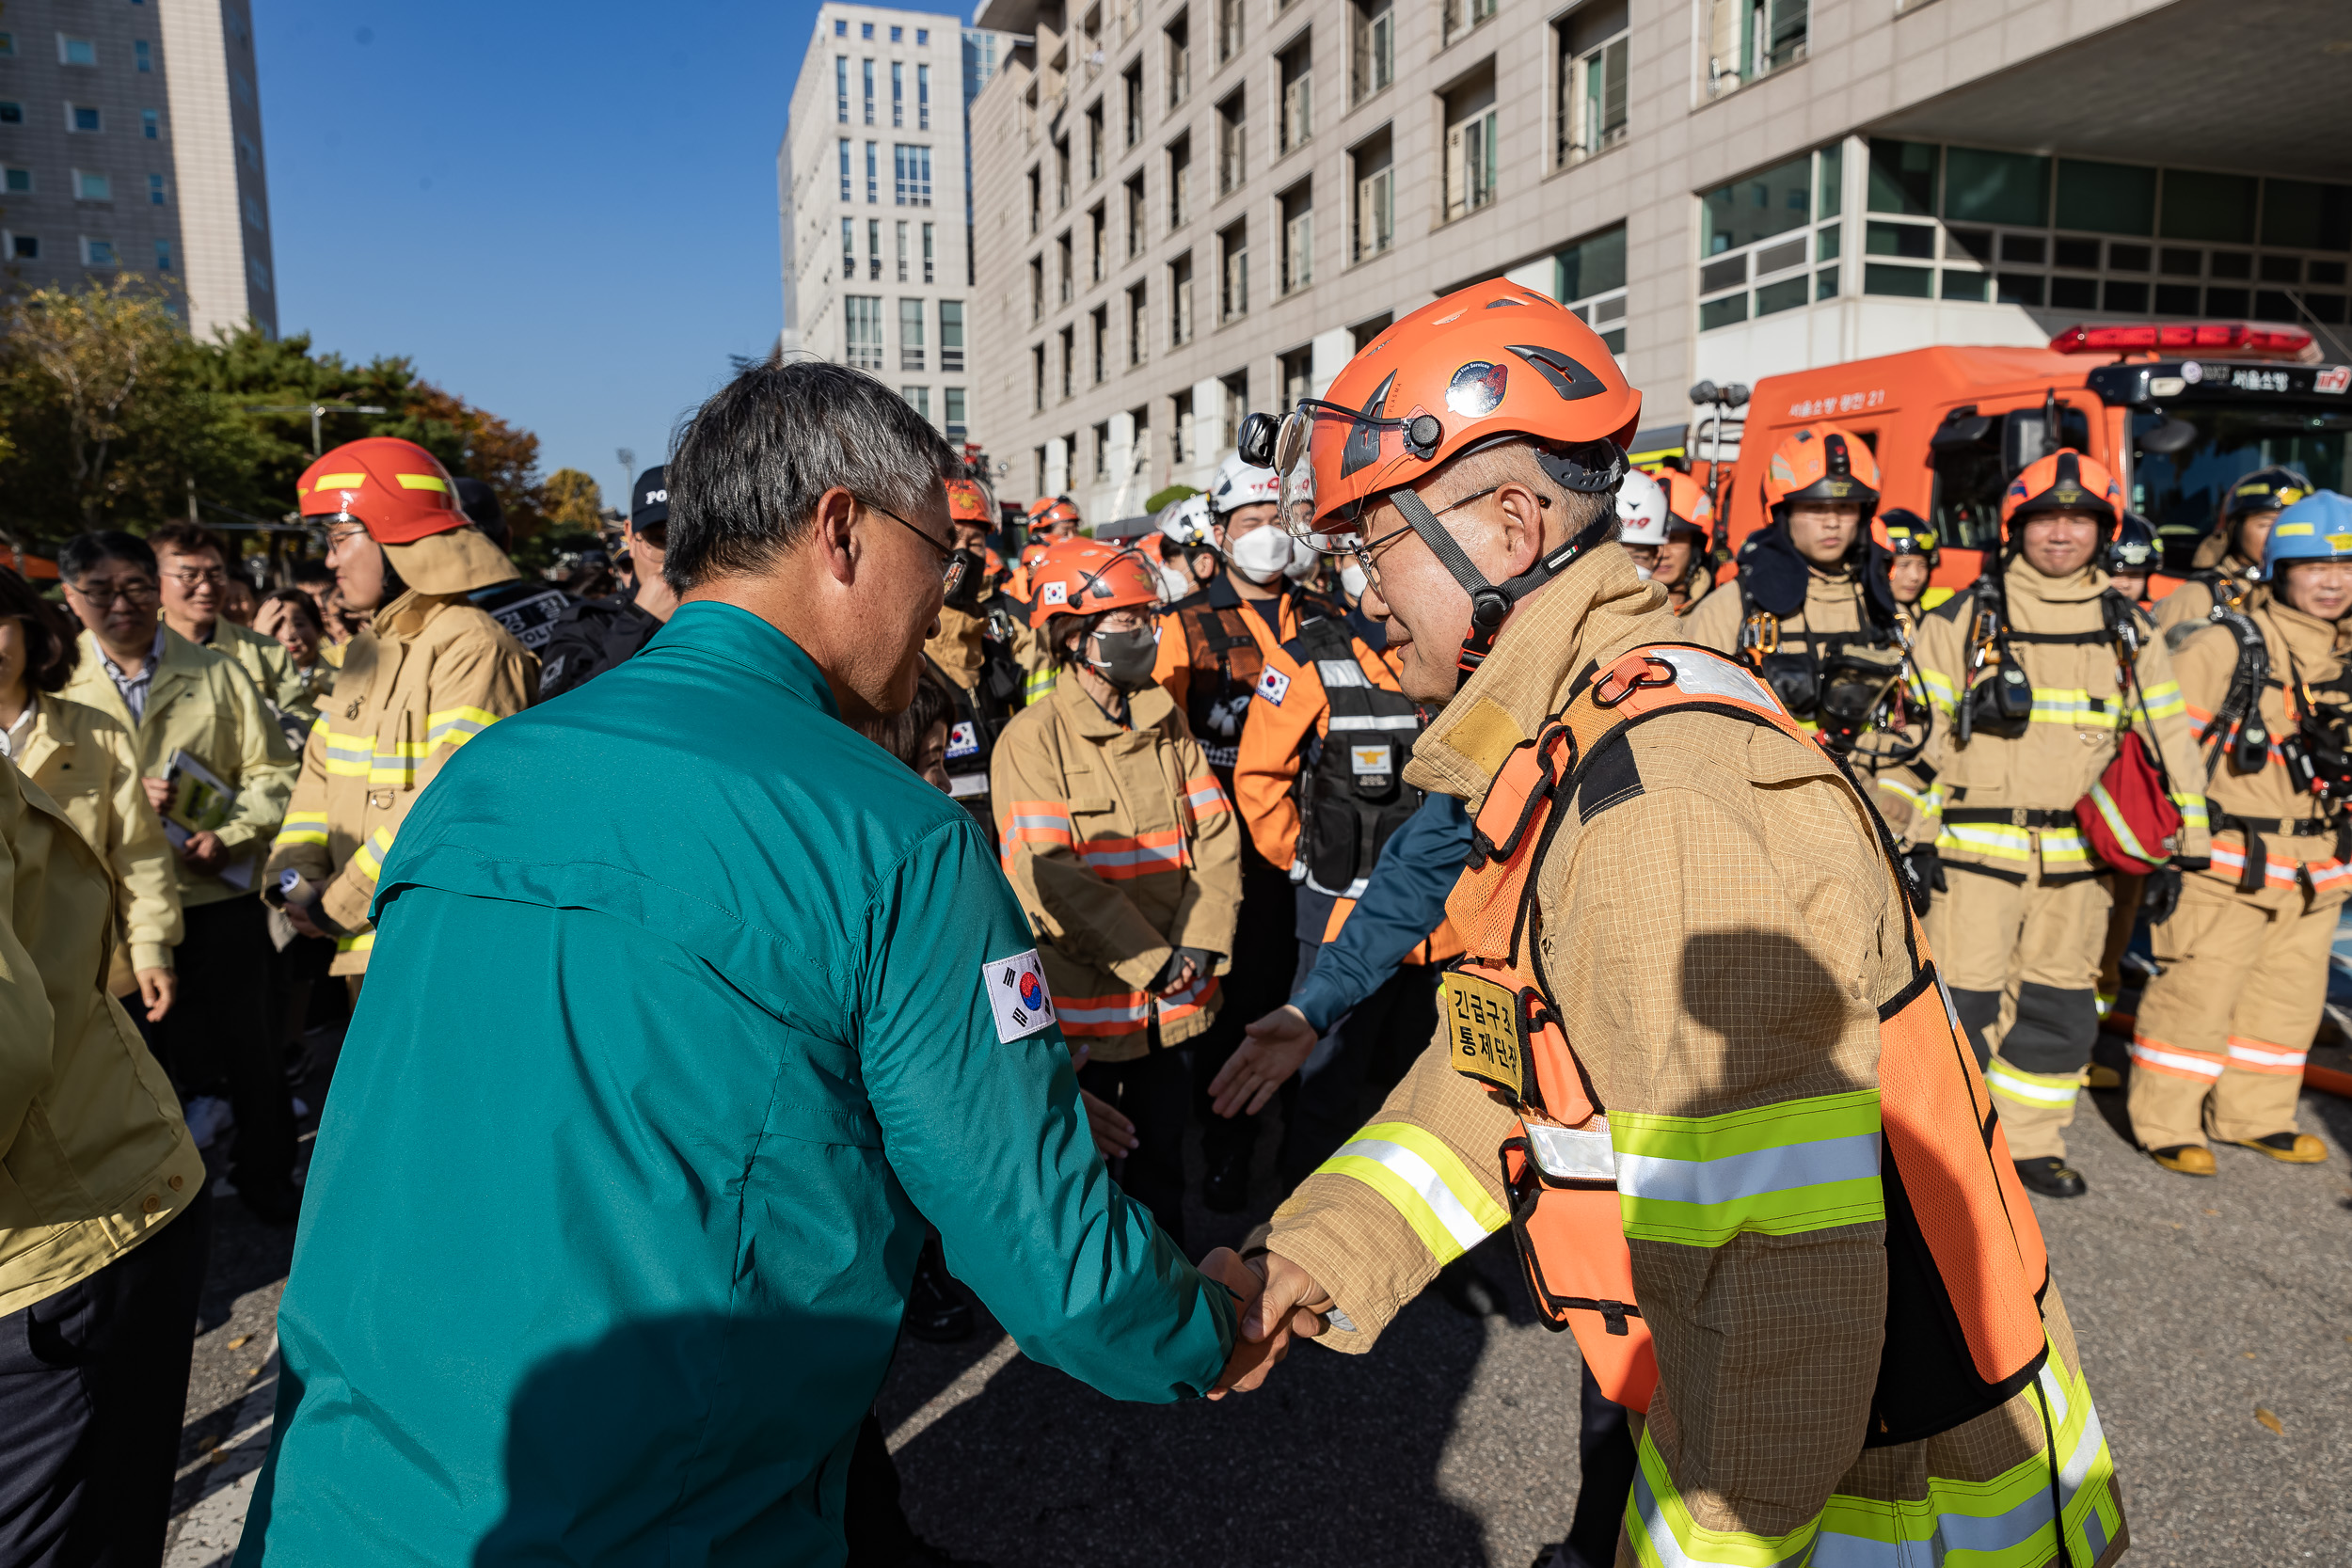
x=1122, y=848
x=429, y=673
x=982, y=650
x=1843, y=1337
x=2036, y=675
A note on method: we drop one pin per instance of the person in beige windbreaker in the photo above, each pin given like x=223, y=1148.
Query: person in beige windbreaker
x=1123, y=850
x=429, y=673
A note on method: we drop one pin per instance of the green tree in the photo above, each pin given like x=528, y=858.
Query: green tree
x=572, y=501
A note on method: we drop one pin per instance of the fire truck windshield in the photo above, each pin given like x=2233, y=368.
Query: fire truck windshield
x=2180, y=492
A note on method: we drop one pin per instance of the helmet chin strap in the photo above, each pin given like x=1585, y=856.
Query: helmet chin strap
x=1491, y=603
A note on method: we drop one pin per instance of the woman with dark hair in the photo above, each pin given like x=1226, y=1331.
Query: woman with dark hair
x=89, y=764
x=294, y=619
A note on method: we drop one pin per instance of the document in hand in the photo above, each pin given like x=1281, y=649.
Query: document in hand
x=200, y=802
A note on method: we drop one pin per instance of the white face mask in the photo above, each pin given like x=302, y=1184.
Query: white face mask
x=1640, y=571
x=1352, y=578
x=1261, y=554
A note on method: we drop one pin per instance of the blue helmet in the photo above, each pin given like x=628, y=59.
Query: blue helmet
x=2317, y=528
x=2134, y=547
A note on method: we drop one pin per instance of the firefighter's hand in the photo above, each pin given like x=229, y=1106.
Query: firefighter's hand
x=1271, y=1049
x=2161, y=895
x=1927, y=875
x=157, y=987
x=1278, y=1303
x=299, y=916
x=1175, y=975
x=203, y=851
x=158, y=791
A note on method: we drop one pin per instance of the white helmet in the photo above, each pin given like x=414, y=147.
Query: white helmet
x=1238, y=484
x=1185, y=522
x=1641, y=510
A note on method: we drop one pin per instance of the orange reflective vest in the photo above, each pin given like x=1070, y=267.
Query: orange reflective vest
x=1965, y=1260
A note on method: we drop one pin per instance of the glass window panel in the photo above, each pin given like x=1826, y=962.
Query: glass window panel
x=1789, y=253
x=2127, y=258
x=2026, y=248
x=1965, y=285
x=1830, y=197
x=2231, y=263
x=2018, y=288
x=1723, y=275
x=1826, y=241
x=2127, y=299
x=1977, y=242
x=2308, y=216
x=1786, y=295
x=1899, y=239
x=2176, y=299
x=2327, y=307
x=1825, y=283
x=2272, y=305
x=1613, y=341
x=1903, y=282
x=2077, y=253
x=1772, y=201
x=2106, y=199
x=1592, y=266
x=1723, y=312
x=2228, y=302
x=2327, y=272
x=1902, y=178
x=2203, y=206
x=2282, y=269
x=2181, y=263
x=2075, y=293
x=1995, y=187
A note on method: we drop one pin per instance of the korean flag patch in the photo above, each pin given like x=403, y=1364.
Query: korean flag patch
x=1017, y=995
x=964, y=741
x=1274, y=685
x=1054, y=593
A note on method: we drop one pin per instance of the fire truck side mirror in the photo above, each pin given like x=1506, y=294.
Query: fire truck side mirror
x=1963, y=430
x=2169, y=437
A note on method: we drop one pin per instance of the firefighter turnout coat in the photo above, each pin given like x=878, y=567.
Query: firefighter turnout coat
x=1728, y=934
x=429, y=674
x=1122, y=847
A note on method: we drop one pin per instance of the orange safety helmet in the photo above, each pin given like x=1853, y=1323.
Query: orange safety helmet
x=1689, y=508
x=394, y=488
x=1085, y=577
x=1488, y=364
x=2064, y=482
x=1048, y=510
x=968, y=501
x=1822, y=462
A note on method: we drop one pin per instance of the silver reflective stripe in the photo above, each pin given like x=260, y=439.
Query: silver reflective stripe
x=1750, y=1175
x=1353, y=890
x=1573, y=1153
x=963, y=784
x=1697, y=674
x=1340, y=672
x=1418, y=1174
x=1375, y=722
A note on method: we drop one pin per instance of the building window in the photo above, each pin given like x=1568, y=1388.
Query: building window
x=1068, y=363
x=1456, y=17
x=1469, y=145
x=917, y=398
x=1374, y=172
x=849, y=248
x=912, y=168
x=898, y=35
x=868, y=75
x=1372, y=48
x=1037, y=290
x=12, y=114
x=922, y=37
x=1232, y=295
x=72, y=51
x=898, y=95
x=1094, y=141
x=254, y=216
x=1062, y=174
x=901, y=238
x=1179, y=301
x=7, y=45
x=1593, y=50
x=1589, y=278
x=1299, y=237
x=873, y=171
x=1298, y=93
x=1099, y=321
x=163, y=255
x=19, y=181
x=951, y=336
x=1748, y=39
x=923, y=98
x=151, y=124
x=25, y=248
x=1139, y=322
x=953, y=398
x=1098, y=244
x=841, y=89
x=1037, y=201
x=1179, y=42
x=1236, y=404
x=82, y=117
x=141, y=53
x=1233, y=144
x=864, y=319
x=155, y=190
x=1178, y=182
x=840, y=28
x=1759, y=238
x=929, y=261
x=1131, y=102
x=98, y=253
x=1298, y=370
x=1065, y=257
x=873, y=250
x=909, y=334
x=1135, y=235
x=92, y=187
x=1229, y=20
x=845, y=168
x=1037, y=383
x=865, y=29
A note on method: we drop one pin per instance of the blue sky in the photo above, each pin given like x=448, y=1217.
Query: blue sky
x=566, y=214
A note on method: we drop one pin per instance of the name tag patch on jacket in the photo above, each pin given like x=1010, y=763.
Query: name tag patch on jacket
x=964, y=741
x=1017, y=995
x=1369, y=760
x=1274, y=685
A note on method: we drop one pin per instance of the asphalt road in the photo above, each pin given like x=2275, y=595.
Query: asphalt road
x=1455, y=1443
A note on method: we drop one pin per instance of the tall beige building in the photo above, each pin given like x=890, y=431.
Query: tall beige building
x=1187, y=208
x=131, y=142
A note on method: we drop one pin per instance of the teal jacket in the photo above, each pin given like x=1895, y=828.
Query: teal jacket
x=676, y=1032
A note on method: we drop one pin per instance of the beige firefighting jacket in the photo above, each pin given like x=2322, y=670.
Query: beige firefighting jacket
x=1832, y=603
x=2303, y=649
x=1705, y=985
x=1122, y=845
x=96, y=1156
x=2079, y=710
x=2191, y=602
x=202, y=703
x=87, y=764
x=429, y=674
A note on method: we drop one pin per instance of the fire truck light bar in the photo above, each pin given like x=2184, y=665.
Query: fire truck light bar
x=2285, y=342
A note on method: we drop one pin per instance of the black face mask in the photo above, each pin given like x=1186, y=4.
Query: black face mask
x=966, y=572
x=1125, y=658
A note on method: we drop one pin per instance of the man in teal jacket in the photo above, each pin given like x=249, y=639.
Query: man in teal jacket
x=689, y=1004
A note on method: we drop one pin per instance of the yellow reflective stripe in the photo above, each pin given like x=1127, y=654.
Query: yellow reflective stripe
x=1939, y=687
x=1040, y=684
x=2062, y=845
x=368, y=860
x=1659, y=1528
x=2164, y=698
x=359, y=944
x=2039, y=1090
x=423, y=481
x=338, y=482
x=1776, y=1170
x=2112, y=815
x=453, y=727
x=1424, y=1181
x=1927, y=802
x=1986, y=838
x=348, y=755
x=302, y=827
x=2192, y=810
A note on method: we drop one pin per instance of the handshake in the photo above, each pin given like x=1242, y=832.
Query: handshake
x=1278, y=1301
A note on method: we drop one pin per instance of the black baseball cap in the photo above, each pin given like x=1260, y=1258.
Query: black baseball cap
x=480, y=503
x=649, y=499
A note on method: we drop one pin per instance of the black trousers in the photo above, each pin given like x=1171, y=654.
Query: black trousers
x=1152, y=1092
x=1604, y=1451
x=219, y=1035
x=93, y=1389
x=1266, y=945
x=1353, y=1068
x=872, y=1518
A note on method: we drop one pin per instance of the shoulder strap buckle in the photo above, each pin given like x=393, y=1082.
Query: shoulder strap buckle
x=1635, y=672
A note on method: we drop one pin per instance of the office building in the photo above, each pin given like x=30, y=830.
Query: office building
x=1188, y=208
x=874, y=200
x=131, y=142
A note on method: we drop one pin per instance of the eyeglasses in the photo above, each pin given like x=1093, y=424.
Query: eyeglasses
x=217, y=577
x=1369, y=551
x=338, y=537
x=946, y=552
x=102, y=595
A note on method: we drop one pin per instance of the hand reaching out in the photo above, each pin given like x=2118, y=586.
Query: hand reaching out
x=1114, y=1135
x=1279, y=1302
x=1272, y=1049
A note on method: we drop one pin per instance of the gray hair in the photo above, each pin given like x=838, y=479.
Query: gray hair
x=756, y=459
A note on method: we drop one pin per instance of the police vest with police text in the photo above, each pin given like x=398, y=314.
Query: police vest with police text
x=1352, y=792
